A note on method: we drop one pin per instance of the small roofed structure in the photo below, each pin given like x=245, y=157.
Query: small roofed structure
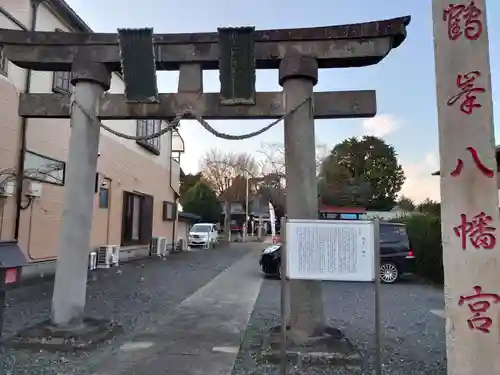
x=341, y=213
x=184, y=224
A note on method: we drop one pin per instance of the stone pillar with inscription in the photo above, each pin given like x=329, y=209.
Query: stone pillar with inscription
x=469, y=197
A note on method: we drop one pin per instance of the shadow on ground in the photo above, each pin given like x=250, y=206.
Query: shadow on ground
x=413, y=341
x=135, y=295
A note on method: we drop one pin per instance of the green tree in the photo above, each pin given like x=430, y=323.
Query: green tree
x=201, y=200
x=189, y=181
x=271, y=188
x=406, y=203
x=361, y=172
x=429, y=206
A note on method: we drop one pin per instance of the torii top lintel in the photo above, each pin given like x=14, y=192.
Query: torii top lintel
x=352, y=45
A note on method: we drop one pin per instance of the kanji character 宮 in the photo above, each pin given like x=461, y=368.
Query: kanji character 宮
x=479, y=164
x=477, y=321
x=467, y=92
x=478, y=231
x=469, y=15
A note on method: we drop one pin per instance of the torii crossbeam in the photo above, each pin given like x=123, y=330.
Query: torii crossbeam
x=342, y=46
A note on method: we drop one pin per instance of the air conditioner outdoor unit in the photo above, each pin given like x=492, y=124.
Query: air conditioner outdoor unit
x=158, y=246
x=116, y=255
x=7, y=189
x=162, y=246
x=108, y=256
x=93, y=260
x=33, y=189
x=153, y=246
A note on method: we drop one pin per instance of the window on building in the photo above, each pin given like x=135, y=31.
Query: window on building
x=329, y=216
x=169, y=211
x=44, y=169
x=3, y=62
x=148, y=127
x=62, y=83
x=104, y=186
x=62, y=80
x=137, y=223
x=103, y=197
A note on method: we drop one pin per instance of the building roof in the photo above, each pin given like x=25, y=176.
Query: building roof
x=67, y=13
x=497, y=156
x=187, y=216
x=341, y=210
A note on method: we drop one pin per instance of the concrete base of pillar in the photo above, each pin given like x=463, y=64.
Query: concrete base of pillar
x=46, y=336
x=330, y=349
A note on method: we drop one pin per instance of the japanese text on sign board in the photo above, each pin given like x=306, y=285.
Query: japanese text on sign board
x=463, y=20
x=478, y=231
x=479, y=320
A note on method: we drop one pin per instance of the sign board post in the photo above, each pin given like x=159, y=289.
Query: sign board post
x=376, y=295
x=284, y=300
x=333, y=250
x=469, y=187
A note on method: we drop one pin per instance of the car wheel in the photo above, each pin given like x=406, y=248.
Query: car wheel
x=279, y=270
x=389, y=273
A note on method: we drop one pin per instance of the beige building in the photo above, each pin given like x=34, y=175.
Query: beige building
x=137, y=182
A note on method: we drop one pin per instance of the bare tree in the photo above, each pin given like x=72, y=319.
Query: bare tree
x=274, y=157
x=226, y=172
x=219, y=169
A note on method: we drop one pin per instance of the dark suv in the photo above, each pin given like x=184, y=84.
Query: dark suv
x=396, y=254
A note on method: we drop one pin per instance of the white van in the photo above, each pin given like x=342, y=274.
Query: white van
x=202, y=234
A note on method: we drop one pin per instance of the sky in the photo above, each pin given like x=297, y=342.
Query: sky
x=404, y=80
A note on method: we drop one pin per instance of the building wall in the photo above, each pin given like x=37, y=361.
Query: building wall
x=9, y=141
x=123, y=164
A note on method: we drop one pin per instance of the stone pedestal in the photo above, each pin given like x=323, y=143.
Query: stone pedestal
x=332, y=348
x=46, y=336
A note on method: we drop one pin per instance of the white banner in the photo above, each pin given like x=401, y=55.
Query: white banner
x=272, y=219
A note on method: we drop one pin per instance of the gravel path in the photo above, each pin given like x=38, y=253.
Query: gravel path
x=133, y=295
x=413, y=341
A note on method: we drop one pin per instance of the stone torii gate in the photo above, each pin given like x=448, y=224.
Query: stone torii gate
x=237, y=53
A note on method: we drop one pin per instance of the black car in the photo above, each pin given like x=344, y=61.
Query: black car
x=396, y=254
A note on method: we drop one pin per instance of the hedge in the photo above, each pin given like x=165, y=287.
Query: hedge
x=425, y=237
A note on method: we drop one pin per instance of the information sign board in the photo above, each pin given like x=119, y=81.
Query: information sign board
x=339, y=250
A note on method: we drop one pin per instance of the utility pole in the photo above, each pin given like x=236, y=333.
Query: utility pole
x=298, y=75
x=68, y=301
x=246, y=208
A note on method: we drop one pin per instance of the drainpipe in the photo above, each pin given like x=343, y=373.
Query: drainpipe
x=24, y=127
x=175, y=193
